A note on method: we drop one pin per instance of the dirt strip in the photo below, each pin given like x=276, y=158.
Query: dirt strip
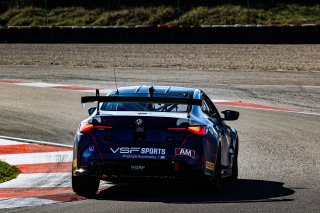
x=189, y=56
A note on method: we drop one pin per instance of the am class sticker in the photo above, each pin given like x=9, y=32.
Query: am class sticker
x=186, y=152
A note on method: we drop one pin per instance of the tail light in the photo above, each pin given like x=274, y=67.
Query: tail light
x=102, y=127
x=198, y=130
x=85, y=127
x=177, y=129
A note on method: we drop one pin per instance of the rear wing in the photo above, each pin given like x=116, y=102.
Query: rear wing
x=150, y=99
x=127, y=99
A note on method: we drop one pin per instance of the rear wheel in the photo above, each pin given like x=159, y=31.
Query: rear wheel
x=234, y=175
x=217, y=174
x=85, y=185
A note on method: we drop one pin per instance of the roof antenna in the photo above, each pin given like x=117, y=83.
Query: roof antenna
x=115, y=79
x=188, y=96
x=98, y=103
x=151, y=91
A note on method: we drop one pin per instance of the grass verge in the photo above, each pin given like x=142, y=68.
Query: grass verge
x=7, y=172
x=224, y=14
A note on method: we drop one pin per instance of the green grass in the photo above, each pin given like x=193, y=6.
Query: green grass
x=7, y=172
x=225, y=14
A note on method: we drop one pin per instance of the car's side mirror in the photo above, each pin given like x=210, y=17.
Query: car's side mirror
x=91, y=110
x=230, y=115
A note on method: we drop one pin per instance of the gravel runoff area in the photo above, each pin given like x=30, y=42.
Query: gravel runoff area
x=282, y=75
x=189, y=56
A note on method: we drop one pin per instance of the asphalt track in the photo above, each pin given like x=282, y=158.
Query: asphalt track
x=279, y=158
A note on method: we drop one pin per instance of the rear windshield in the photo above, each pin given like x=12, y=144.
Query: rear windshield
x=151, y=107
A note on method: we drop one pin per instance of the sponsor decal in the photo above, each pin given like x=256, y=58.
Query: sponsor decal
x=125, y=150
x=139, y=122
x=186, y=152
x=75, y=163
x=140, y=153
x=209, y=165
x=137, y=168
x=153, y=151
x=91, y=148
x=138, y=150
x=139, y=129
x=149, y=157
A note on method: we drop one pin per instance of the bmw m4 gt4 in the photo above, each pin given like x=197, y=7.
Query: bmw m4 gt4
x=154, y=132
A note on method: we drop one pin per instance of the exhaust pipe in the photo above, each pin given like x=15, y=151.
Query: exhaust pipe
x=81, y=171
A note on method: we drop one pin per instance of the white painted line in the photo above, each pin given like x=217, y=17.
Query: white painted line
x=39, y=84
x=87, y=91
x=4, y=142
x=34, y=158
x=217, y=100
x=35, y=141
x=39, y=180
x=247, y=107
x=20, y=202
x=308, y=113
x=276, y=110
x=102, y=91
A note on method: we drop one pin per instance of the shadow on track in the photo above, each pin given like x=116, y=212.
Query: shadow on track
x=244, y=190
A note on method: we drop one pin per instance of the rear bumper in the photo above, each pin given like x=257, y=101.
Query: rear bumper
x=113, y=170
x=183, y=160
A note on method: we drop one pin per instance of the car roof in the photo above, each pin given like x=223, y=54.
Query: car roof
x=158, y=91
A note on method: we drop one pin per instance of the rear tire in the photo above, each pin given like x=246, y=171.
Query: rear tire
x=86, y=186
x=217, y=174
x=234, y=175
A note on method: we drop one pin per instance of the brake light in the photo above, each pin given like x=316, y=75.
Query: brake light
x=198, y=130
x=85, y=127
x=177, y=129
x=102, y=127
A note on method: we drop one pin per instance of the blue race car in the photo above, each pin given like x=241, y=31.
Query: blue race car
x=154, y=132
